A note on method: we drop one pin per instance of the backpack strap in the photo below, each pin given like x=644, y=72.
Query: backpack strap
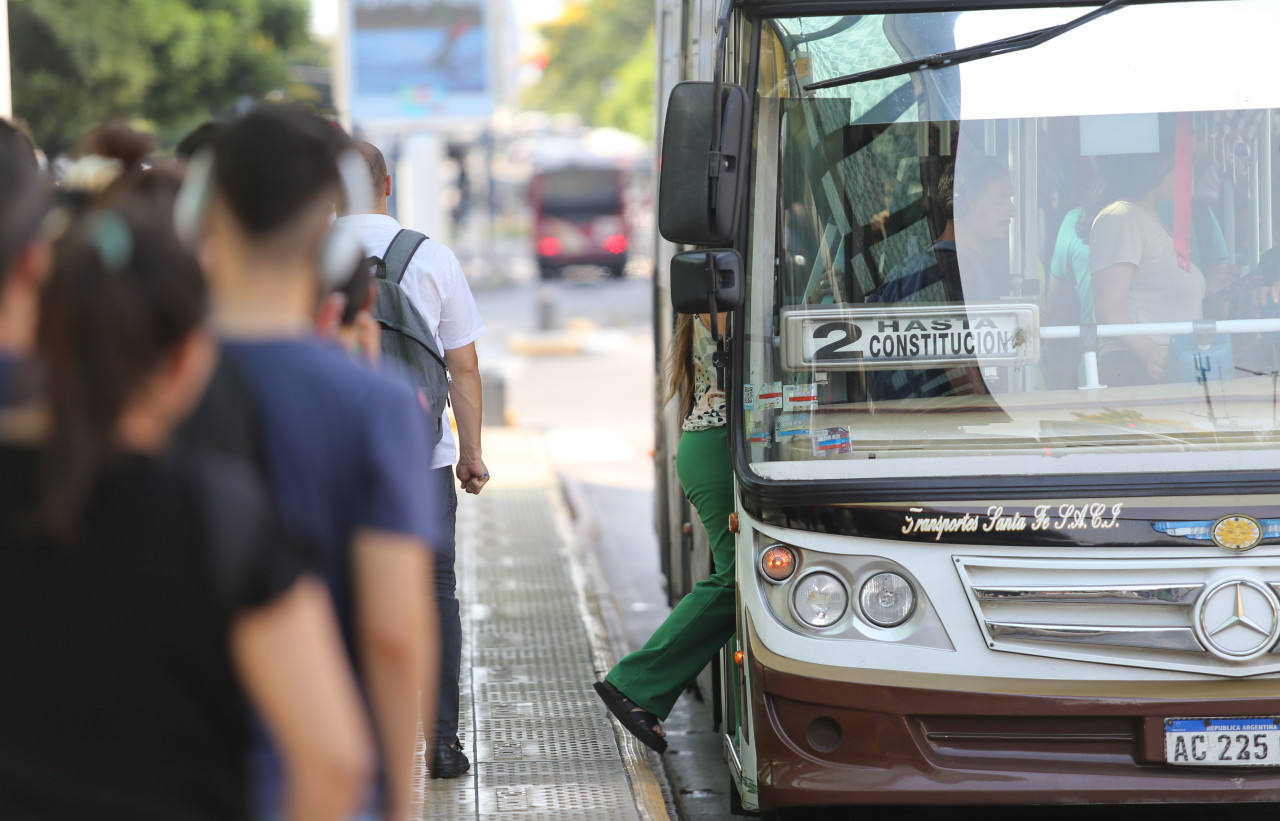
x=402, y=248
x=393, y=311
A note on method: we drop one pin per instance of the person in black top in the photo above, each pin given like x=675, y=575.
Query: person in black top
x=146, y=598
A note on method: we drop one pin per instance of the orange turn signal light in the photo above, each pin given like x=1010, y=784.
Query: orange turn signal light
x=738, y=656
x=778, y=563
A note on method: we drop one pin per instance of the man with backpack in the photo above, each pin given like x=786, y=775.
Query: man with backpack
x=429, y=327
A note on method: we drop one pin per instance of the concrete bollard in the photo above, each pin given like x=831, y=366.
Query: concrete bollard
x=494, y=397
x=547, y=319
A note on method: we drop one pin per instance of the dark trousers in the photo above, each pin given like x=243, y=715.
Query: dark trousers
x=442, y=487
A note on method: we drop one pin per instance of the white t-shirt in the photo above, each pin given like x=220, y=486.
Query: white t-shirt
x=437, y=288
x=1161, y=290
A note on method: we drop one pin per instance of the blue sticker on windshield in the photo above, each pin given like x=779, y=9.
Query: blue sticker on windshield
x=831, y=441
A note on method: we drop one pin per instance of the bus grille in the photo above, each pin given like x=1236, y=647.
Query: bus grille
x=1214, y=616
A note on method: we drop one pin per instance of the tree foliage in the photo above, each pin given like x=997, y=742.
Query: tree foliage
x=600, y=64
x=170, y=63
x=629, y=103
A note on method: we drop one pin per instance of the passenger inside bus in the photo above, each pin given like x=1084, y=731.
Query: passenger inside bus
x=966, y=264
x=1208, y=244
x=1070, y=298
x=1070, y=271
x=1136, y=273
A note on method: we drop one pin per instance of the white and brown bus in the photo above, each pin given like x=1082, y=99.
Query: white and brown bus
x=1003, y=379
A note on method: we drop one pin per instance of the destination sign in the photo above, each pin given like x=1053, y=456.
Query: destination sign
x=883, y=337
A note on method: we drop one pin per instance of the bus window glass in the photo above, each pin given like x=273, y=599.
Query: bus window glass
x=1051, y=261
x=579, y=190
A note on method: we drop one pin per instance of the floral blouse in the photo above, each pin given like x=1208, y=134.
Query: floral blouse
x=708, y=398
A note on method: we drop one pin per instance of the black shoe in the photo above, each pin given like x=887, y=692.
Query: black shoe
x=449, y=761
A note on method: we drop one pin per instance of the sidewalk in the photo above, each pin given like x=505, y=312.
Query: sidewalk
x=542, y=745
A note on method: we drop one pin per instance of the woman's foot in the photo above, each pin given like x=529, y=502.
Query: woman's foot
x=635, y=719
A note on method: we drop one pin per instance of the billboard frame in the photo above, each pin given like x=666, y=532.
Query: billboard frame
x=344, y=78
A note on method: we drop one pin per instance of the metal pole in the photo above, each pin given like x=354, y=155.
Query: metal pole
x=1255, y=236
x=1265, y=147
x=341, y=65
x=6, y=90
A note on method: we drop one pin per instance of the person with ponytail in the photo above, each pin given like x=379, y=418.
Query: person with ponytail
x=642, y=688
x=147, y=598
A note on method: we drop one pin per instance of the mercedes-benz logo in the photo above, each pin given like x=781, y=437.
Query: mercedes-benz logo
x=1237, y=620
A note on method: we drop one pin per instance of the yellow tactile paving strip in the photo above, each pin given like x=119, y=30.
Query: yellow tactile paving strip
x=541, y=744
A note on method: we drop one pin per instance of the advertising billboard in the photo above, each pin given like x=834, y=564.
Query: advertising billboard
x=419, y=62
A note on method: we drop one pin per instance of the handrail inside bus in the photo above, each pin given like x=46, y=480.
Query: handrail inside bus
x=1208, y=327
x=1204, y=329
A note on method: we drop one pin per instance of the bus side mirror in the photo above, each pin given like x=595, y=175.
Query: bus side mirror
x=698, y=276
x=699, y=190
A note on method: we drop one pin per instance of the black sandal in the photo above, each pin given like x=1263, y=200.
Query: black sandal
x=631, y=716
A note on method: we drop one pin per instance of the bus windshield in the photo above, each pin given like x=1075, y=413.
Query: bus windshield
x=1051, y=261
x=579, y=190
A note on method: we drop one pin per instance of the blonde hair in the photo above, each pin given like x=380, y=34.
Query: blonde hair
x=679, y=364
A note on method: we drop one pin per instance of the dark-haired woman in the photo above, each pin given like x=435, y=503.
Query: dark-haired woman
x=1136, y=274
x=145, y=600
x=642, y=688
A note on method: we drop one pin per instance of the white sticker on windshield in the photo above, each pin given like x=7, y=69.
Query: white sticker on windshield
x=800, y=397
x=769, y=396
x=748, y=397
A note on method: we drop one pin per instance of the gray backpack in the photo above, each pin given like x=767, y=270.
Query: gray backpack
x=406, y=337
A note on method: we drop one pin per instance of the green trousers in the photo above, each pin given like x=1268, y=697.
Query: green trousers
x=702, y=622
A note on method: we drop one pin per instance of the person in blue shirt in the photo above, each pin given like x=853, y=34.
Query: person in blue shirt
x=24, y=256
x=345, y=448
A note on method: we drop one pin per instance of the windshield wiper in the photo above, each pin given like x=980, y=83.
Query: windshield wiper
x=1017, y=42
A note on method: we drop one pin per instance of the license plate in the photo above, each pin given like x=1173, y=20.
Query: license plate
x=1222, y=742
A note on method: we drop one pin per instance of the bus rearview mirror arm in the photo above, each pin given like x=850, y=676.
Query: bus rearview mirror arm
x=718, y=160
x=703, y=145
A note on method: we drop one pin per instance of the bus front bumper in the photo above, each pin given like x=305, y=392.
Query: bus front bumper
x=822, y=741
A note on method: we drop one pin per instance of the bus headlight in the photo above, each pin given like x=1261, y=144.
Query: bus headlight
x=820, y=599
x=887, y=599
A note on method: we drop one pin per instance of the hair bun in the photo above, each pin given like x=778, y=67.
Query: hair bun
x=118, y=141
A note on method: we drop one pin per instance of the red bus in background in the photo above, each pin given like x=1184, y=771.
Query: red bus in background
x=579, y=218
